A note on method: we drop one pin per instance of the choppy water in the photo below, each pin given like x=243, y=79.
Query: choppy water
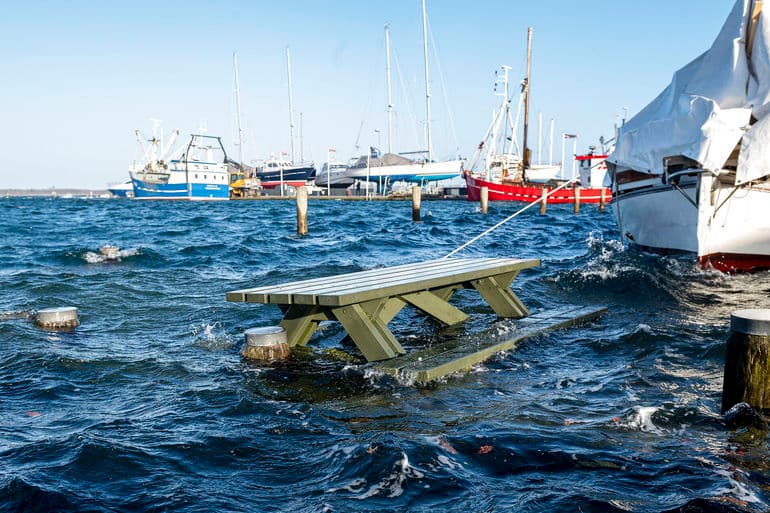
x=148, y=406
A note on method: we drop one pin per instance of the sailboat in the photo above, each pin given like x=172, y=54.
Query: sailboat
x=508, y=173
x=391, y=167
x=242, y=183
x=280, y=172
x=691, y=171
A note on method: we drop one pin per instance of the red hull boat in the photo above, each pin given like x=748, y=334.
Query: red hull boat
x=530, y=192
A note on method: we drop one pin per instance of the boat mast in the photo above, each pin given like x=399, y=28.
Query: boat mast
x=390, y=99
x=291, y=104
x=427, y=83
x=525, y=150
x=239, y=141
x=301, y=141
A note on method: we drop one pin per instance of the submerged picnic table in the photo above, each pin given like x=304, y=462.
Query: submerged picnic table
x=365, y=302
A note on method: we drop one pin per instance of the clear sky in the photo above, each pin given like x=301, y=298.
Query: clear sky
x=78, y=77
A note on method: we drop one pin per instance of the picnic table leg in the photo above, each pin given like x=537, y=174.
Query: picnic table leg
x=436, y=307
x=369, y=332
x=496, y=291
x=300, y=322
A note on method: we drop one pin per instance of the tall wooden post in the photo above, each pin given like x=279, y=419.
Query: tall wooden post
x=576, y=190
x=416, y=198
x=543, y=200
x=602, y=199
x=302, y=210
x=747, y=361
x=484, y=199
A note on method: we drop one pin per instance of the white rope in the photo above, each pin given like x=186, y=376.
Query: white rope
x=498, y=225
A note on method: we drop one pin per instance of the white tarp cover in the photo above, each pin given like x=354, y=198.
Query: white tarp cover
x=705, y=111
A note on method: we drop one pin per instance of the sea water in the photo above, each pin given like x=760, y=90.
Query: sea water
x=148, y=406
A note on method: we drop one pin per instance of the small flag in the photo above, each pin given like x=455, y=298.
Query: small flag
x=570, y=136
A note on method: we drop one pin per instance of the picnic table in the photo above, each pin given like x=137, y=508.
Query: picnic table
x=365, y=302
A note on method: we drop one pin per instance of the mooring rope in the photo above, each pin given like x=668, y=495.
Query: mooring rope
x=498, y=225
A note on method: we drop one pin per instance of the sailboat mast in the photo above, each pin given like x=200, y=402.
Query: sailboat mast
x=390, y=99
x=427, y=82
x=525, y=150
x=291, y=104
x=238, y=108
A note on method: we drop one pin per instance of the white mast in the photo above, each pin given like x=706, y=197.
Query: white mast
x=550, y=147
x=428, y=143
x=301, y=142
x=539, y=137
x=291, y=104
x=239, y=141
x=390, y=99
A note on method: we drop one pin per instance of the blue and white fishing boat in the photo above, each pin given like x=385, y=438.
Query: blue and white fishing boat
x=190, y=172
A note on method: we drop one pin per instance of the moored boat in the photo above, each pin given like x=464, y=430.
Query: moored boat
x=189, y=173
x=691, y=171
x=274, y=171
x=122, y=190
x=507, y=172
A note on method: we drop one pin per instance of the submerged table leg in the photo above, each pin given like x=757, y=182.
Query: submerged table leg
x=369, y=332
x=300, y=322
x=436, y=307
x=495, y=291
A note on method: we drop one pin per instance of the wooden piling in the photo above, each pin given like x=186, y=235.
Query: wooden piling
x=576, y=190
x=302, y=210
x=543, y=200
x=602, y=199
x=416, y=198
x=747, y=361
x=484, y=198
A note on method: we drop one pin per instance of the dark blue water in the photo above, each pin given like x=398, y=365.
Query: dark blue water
x=148, y=405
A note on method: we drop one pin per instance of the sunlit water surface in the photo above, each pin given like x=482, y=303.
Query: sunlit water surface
x=148, y=405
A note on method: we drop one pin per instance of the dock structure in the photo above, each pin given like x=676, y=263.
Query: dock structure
x=365, y=302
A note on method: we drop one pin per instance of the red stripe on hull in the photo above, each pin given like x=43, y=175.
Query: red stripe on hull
x=531, y=193
x=273, y=185
x=735, y=263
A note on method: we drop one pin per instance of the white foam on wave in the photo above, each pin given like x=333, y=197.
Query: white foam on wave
x=98, y=258
x=211, y=336
x=641, y=419
x=390, y=486
x=736, y=488
x=642, y=328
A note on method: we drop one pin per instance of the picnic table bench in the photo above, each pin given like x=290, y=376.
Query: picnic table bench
x=365, y=302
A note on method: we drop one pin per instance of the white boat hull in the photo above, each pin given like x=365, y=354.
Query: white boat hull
x=426, y=172
x=725, y=226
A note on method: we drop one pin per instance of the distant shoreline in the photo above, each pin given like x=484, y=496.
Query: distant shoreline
x=53, y=192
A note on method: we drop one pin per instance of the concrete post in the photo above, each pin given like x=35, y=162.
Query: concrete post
x=416, y=199
x=576, y=189
x=484, y=199
x=266, y=344
x=301, y=210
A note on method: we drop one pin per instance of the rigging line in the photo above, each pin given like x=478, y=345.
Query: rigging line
x=412, y=118
x=444, y=90
x=498, y=225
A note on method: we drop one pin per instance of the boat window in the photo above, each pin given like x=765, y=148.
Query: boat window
x=196, y=176
x=205, y=177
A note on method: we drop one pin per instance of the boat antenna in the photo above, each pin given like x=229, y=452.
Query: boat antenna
x=427, y=82
x=291, y=104
x=390, y=97
x=525, y=149
x=239, y=141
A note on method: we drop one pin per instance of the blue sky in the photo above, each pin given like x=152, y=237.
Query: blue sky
x=79, y=77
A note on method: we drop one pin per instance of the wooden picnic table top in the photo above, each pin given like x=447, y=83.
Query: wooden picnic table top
x=358, y=287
